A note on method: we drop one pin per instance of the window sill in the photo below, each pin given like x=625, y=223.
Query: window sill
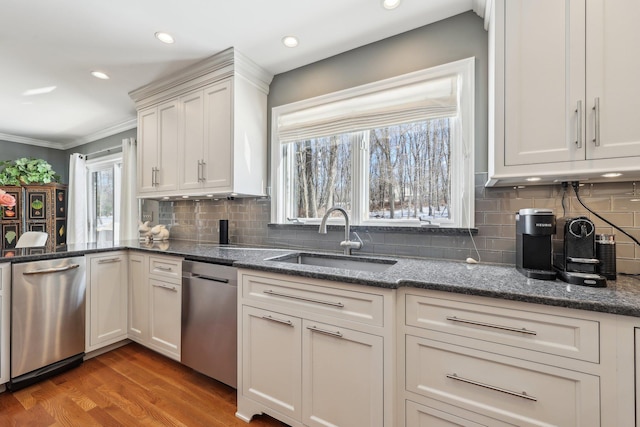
x=379, y=228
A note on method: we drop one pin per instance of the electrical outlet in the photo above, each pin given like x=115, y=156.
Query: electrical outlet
x=147, y=216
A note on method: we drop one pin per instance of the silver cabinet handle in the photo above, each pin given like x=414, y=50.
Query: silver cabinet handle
x=491, y=325
x=199, y=171
x=596, y=108
x=336, y=334
x=203, y=170
x=522, y=395
x=154, y=176
x=109, y=260
x=273, y=319
x=167, y=287
x=163, y=268
x=313, y=300
x=51, y=270
x=579, y=120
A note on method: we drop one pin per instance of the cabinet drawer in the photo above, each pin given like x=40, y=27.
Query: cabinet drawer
x=514, y=390
x=558, y=335
x=170, y=268
x=360, y=307
x=429, y=416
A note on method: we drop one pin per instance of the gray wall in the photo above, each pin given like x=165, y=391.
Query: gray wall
x=104, y=143
x=59, y=159
x=59, y=162
x=459, y=37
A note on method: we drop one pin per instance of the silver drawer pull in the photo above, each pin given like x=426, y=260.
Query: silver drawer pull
x=108, y=260
x=490, y=325
x=522, y=395
x=273, y=319
x=163, y=268
x=325, y=332
x=316, y=301
x=168, y=287
x=51, y=270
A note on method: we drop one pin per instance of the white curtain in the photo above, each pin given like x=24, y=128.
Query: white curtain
x=77, y=210
x=128, y=201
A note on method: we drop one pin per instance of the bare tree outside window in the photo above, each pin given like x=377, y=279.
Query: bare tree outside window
x=323, y=175
x=409, y=168
x=409, y=172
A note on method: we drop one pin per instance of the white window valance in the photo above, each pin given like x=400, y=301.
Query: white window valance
x=425, y=100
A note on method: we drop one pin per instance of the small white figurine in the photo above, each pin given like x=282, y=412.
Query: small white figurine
x=144, y=230
x=160, y=232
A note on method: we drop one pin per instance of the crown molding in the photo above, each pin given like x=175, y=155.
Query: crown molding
x=29, y=141
x=111, y=130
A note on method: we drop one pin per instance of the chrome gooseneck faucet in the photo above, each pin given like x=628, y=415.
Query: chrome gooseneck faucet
x=347, y=244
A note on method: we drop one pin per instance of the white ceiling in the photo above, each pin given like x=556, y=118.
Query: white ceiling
x=59, y=42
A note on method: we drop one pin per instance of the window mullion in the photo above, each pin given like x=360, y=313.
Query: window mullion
x=360, y=178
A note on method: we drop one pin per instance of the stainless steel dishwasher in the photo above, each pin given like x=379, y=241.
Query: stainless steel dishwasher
x=47, y=319
x=209, y=320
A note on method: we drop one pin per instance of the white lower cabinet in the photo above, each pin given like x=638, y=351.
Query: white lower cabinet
x=515, y=390
x=5, y=319
x=138, y=314
x=271, y=360
x=165, y=304
x=155, y=302
x=315, y=353
x=474, y=361
x=106, y=307
x=342, y=376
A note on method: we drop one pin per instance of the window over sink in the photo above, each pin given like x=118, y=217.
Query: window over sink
x=394, y=152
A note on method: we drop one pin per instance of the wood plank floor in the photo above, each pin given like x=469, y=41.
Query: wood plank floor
x=129, y=386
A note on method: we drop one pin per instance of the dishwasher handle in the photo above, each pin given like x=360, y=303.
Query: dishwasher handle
x=51, y=270
x=211, y=278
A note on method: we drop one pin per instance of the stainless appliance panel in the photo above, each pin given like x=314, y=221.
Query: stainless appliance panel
x=209, y=320
x=47, y=313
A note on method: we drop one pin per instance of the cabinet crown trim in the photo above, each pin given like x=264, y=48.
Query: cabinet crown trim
x=228, y=63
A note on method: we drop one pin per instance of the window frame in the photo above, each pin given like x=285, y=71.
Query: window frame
x=462, y=156
x=114, y=163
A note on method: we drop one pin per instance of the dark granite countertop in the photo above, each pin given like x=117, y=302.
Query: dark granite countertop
x=497, y=281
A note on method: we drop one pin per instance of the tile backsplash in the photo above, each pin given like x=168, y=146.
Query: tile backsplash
x=494, y=241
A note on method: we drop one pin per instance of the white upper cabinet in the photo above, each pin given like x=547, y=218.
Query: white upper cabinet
x=158, y=148
x=563, y=91
x=213, y=139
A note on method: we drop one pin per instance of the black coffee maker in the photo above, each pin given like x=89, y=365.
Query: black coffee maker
x=534, y=228
x=574, y=252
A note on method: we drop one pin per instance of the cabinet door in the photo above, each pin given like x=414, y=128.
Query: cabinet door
x=107, y=300
x=138, y=329
x=192, y=134
x=147, y=149
x=218, y=156
x=544, y=81
x=271, y=361
x=167, y=175
x=165, y=305
x=613, y=67
x=5, y=319
x=342, y=376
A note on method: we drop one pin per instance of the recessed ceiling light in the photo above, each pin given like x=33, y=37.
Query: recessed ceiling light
x=390, y=4
x=612, y=175
x=290, y=41
x=100, y=75
x=164, y=37
x=38, y=91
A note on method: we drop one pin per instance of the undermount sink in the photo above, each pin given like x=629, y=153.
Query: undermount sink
x=336, y=261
